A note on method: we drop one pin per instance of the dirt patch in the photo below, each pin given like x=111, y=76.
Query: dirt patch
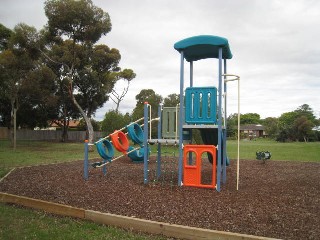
x=276, y=199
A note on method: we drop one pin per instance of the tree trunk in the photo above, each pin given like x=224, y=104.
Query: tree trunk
x=64, y=137
x=13, y=125
x=117, y=107
x=87, y=120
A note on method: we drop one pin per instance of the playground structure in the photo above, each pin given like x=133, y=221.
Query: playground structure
x=200, y=108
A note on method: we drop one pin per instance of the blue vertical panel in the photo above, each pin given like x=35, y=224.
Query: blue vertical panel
x=145, y=143
x=86, y=161
x=197, y=105
x=181, y=120
x=224, y=171
x=219, y=121
x=159, y=144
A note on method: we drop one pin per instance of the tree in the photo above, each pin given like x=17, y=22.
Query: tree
x=76, y=26
x=97, y=77
x=147, y=95
x=114, y=120
x=127, y=75
x=297, y=125
x=250, y=118
x=4, y=111
x=271, y=127
x=79, y=21
x=172, y=100
x=26, y=79
x=303, y=128
x=305, y=110
x=55, y=57
x=5, y=34
x=232, y=125
x=285, y=124
x=15, y=63
x=39, y=98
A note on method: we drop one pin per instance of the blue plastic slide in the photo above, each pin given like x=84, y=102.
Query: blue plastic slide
x=210, y=137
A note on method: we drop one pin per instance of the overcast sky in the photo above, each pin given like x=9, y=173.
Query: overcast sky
x=275, y=47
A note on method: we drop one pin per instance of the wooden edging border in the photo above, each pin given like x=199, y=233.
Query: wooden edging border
x=136, y=224
x=7, y=174
x=50, y=207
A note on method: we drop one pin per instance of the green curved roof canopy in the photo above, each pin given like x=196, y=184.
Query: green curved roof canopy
x=203, y=46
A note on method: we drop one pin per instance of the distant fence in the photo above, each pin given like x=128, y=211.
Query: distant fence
x=48, y=135
x=4, y=133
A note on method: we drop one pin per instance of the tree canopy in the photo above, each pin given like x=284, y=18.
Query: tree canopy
x=79, y=20
x=5, y=34
x=172, y=100
x=297, y=125
x=146, y=95
x=61, y=71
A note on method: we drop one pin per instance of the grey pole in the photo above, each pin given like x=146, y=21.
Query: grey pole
x=86, y=160
x=224, y=173
x=159, y=144
x=145, y=144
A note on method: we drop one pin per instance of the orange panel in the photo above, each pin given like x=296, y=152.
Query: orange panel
x=192, y=173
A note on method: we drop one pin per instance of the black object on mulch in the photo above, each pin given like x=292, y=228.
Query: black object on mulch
x=278, y=199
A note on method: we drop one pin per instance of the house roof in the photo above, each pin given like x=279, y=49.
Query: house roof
x=252, y=127
x=72, y=123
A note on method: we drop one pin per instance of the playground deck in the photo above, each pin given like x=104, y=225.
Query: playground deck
x=278, y=199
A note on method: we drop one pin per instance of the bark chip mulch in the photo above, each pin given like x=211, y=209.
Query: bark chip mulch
x=279, y=199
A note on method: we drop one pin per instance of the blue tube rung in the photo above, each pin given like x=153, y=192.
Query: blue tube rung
x=105, y=149
x=135, y=132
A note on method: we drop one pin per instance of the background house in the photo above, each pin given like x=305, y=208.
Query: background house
x=73, y=124
x=252, y=131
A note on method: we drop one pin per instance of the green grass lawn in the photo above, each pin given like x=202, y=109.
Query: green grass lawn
x=22, y=223
x=294, y=151
x=30, y=153
x=34, y=152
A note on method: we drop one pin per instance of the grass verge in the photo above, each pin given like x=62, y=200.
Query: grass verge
x=294, y=151
x=22, y=223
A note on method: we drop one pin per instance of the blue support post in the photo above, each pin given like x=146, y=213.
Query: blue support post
x=191, y=74
x=159, y=144
x=145, y=143
x=219, y=121
x=104, y=168
x=181, y=120
x=224, y=173
x=190, y=131
x=86, y=160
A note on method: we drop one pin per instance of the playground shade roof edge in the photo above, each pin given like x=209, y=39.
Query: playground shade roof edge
x=203, y=46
